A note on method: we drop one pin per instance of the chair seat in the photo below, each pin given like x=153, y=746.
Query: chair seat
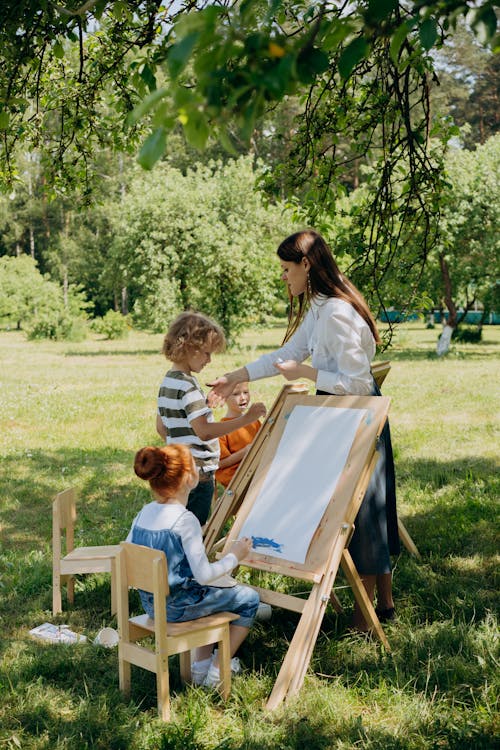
x=90, y=560
x=93, y=553
x=176, y=629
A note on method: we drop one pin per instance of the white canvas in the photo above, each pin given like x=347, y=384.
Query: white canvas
x=307, y=465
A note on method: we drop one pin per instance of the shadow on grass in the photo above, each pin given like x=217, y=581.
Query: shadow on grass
x=461, y=505
x=29, y=482
x=114, y=353
x=444, y=600
x=408, y=354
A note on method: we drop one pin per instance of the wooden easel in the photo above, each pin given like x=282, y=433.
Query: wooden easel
x=229, y=502
x=328, y=547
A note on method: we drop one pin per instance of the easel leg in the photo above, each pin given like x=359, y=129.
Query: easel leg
x=295, y=664
x=362, y=598
x=334, y=601
x=294, y=667
x=407, y=540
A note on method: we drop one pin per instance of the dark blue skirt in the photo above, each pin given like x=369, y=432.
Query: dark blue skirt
x=376, y=535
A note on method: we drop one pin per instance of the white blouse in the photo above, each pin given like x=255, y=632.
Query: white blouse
x=339, y=342
x=163, y=516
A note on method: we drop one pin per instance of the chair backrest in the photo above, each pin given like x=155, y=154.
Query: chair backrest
x=63, y=519
x=142, y=568
x=380, y=371
x=145, y=568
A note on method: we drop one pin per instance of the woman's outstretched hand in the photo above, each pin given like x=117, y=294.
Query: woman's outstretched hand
x=221, y=389
x=290, y=369
x=223, y=386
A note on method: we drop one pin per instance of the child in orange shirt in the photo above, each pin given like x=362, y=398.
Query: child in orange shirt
x=235, y=445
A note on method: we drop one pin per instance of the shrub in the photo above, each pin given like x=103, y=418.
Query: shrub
x=56, y=325
x=468, y=334
x=113, y=325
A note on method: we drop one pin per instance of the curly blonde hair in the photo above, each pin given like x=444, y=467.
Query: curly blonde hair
x=192, y=330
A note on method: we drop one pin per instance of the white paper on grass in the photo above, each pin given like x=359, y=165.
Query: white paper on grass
x=307, y=465
x=57, y=634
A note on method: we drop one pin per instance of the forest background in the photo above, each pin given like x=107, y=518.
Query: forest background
x=89, y=239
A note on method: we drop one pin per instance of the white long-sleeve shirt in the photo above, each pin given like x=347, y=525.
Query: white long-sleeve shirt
x=164, y=516
x=339, y=342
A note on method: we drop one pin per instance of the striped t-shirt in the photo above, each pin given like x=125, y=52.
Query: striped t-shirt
x=180, y=400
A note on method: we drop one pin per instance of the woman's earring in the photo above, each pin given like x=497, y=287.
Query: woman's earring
x=309, y=290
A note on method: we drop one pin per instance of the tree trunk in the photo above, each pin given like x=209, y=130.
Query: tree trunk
x=443, y=344
x=124, y=300
x=65, y=286
x=32, y=241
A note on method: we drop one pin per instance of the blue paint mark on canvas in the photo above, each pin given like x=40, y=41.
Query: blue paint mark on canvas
x=263, y=541
x=369, y=417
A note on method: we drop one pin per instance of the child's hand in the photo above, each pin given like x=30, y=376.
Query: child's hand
x=257, y=410
x=214, y=400
x=241, y=548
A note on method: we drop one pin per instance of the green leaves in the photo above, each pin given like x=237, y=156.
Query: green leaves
x=153, y=148
x=58, y=50
x=484, y=22
x=428, y=33
x=352, y=55
x=311, y=62
x=398, y=39
x=179, y=54
x=379, y=9
x=146, y=105
x=196, y=129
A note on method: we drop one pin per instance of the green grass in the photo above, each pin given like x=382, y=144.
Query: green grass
x=74, y=414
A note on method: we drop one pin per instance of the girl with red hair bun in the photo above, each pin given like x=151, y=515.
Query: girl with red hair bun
x=197, y=586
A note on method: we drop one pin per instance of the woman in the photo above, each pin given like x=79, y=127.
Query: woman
x=331, y=323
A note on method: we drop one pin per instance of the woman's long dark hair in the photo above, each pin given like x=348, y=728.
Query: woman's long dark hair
x=324, y=279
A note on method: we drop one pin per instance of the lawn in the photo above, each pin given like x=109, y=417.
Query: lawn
x=74, y=414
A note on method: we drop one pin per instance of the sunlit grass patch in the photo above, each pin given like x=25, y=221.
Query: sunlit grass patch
x=74, y=414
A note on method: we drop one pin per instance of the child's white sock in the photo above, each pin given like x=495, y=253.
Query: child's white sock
x=199, y=670
x=213, y=675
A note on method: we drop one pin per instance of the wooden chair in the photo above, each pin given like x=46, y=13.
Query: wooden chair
x=380, y=370
x=145, y=568
x=79, y=560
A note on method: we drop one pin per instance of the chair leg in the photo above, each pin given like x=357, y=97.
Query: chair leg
x=185, y=665
x=114, y=599
x=163, y=688
x=70, y=590
x=56, y=593
x=124, y=676
x=225, y=664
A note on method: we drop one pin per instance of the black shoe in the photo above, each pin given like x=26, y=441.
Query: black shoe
x=386, y=615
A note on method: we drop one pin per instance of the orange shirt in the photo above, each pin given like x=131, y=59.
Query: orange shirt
x=231, y=443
